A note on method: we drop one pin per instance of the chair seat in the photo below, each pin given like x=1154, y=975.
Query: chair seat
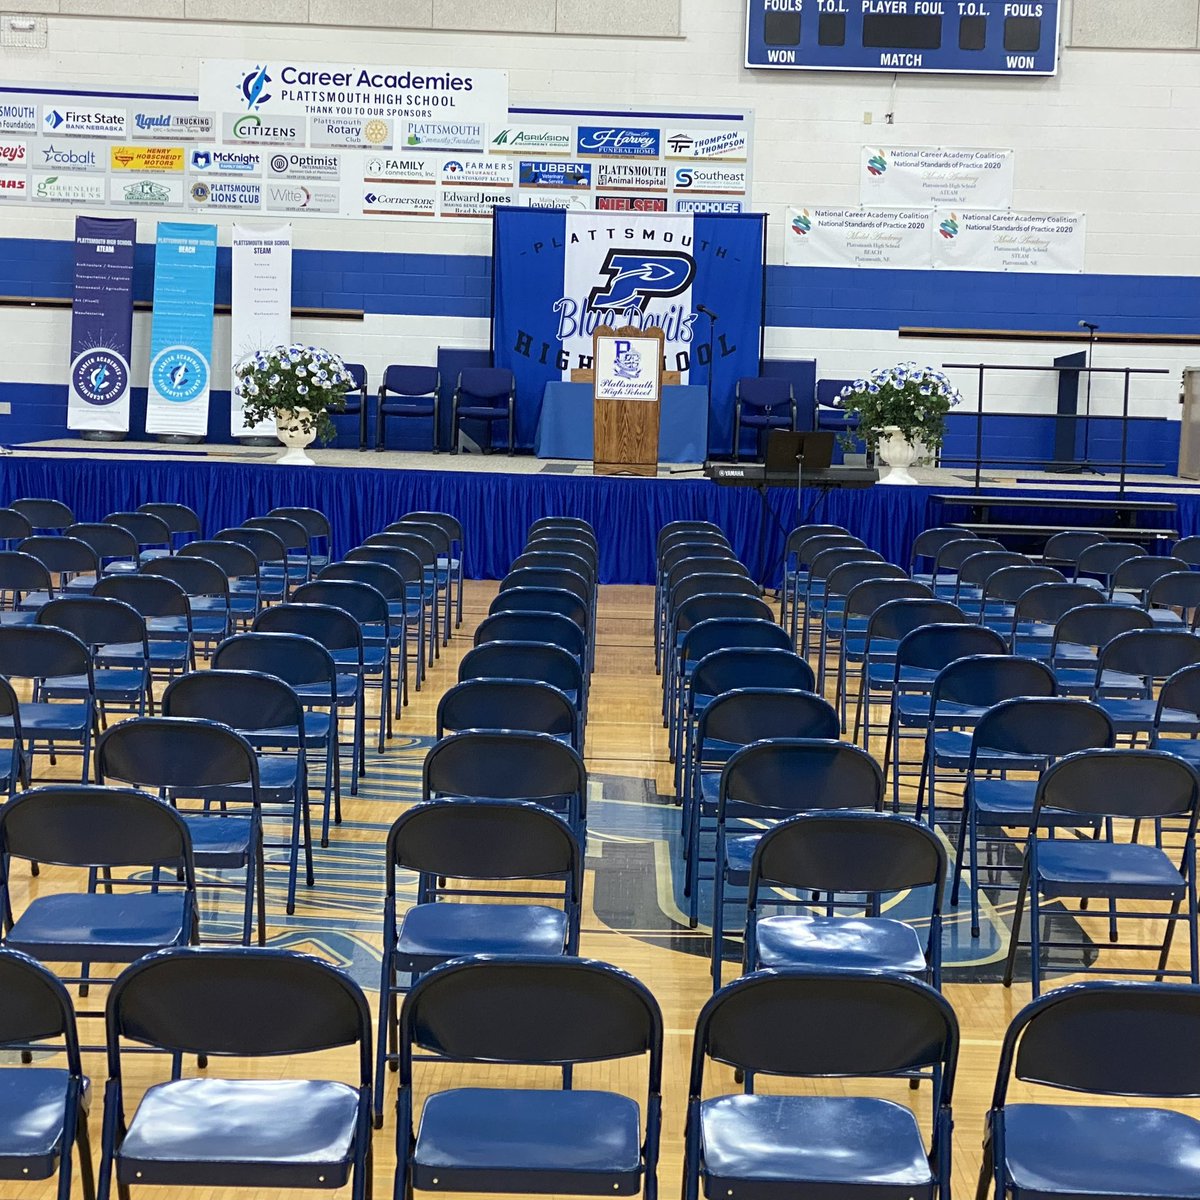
x=1082, y=680
x=760, y=1147
x=433, y=933
x=1188, y=750
x=243, y=1132
x=739, y=854
x=44, y=717
x=1072, y=868
x=113, y=683
x=17, y=618
x=82, y=927
x=395, y=407
x=32, y=1107
x=482, y=413
x=1075, y=1151
x=373, y=657
x=1010, y=802
x=277, y=777
x=1129, y=716
x=854, y=943
x=508, y=1140
x=316, y=730
x=1165, y=616
x=162, y=653
x=220, y=841
x=952, y=748
x=347, y=689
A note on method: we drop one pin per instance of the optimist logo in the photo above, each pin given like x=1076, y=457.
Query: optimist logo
x=635, y=279
x=254, y=88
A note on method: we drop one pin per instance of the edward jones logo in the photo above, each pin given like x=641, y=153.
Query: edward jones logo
x=13, y=187
x=83, y=122
x=877, y=164
x=13, y=154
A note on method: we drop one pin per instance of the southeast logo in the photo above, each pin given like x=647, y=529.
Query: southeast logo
x=179, y=374
x=635, y=279
x=99, y=377
x=254, y=88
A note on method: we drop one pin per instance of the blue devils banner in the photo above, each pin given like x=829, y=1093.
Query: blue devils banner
x=101, y=324
x=185, y=282
x=558, y=275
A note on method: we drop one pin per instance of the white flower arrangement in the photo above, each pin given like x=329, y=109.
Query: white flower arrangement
x=304, y=380
x=909, y=397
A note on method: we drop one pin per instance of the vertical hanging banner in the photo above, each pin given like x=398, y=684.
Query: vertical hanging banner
x=262, y=304
x=185, y=282
x=101, y=324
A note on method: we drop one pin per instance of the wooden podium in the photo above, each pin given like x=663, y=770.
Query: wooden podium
x=628, y=394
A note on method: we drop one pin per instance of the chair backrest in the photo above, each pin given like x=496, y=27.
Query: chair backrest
x=366, y=604
x=503, y=765
x=866, y=598
x=433, y=533
x=791, y=775
x=553, y=600
x=753, y=714
x=720, y=633
x=981, y=680
x=952, y=554
x=243, y=700
x=1008, y=584
x=1105, y=557
x=691, y=568
x=708, y=606
x=1137, y=574
x=21, y=572
x=315, y=521
x=267, y=547
x=1179, y=589
x=841, y=581
x=403, y=561
x=291, y=533
x=383, y=577
x=42, y=652
x=1043, y=726
x=151, y=595
x=798, y=536
x=175, y=752
x=549, y=628
x=564, y=544
x=535, y=577
x=62, y=555
x=409, y=540
x=932, y=647
x=928, y=542
x=236, y=560
x=1066, y=547
x=197, y=576
x=180, y=519
x=35, y=1006
x=818, y=543
x=1125, y=783
x=13, y=526
x=1106, y=1037
x=107, y=541
x=1188, y=549
x=742, y=667
x=585, y=527
x=1097, y=624
x=679, y=551
x=891, y=621
x=705, y=584
x=1181, y=691
x=1052, y=601
x=975, y=570
x=522, y=660
x=333, y=628
x=358, y=379
x=549, y=1011
x=764, y=391
x=450, y=525
x=669, y=530
x=147, y=528
x=294, y=658
x=486, y=383
x=42, y=513
x=1150, y=653
x=528, y=705
x=557, y=560
x=823, y=564
x=95, y=620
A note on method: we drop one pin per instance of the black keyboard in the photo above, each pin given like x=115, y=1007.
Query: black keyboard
x=755, y=475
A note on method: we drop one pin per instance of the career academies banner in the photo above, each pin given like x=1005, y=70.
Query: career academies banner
x=858, y=237
x=262, y=304
x=966, y=240
x=185, y=280
x=559, y=275
x=928, y=176
x=101, y=324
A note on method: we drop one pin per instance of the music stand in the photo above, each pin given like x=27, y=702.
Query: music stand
x=788, y=451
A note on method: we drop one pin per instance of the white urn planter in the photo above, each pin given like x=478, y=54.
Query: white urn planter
x=295, y=437
x=899, y=454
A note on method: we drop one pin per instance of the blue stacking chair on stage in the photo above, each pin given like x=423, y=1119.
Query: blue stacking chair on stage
x=821, y=1025
x=356, y=402
x=407, y=391
x=259, y=1132
x=483, y=394
x=475, y=844
x=507, y=1011
x=1102, y=787
x=1104, y=1039
x=762, y=403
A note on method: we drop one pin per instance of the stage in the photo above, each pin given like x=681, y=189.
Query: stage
x=497, y=498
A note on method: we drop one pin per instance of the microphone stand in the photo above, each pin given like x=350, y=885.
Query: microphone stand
x=712, y=331
x=1087, y=418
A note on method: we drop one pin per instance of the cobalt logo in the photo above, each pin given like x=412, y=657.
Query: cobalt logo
x=179, y=374
x=53, y=119
x=68, y=158
x=635, y=279
x=99, y=376
x=254, y=88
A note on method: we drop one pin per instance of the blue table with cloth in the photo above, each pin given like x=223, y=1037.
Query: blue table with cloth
x=565, y=427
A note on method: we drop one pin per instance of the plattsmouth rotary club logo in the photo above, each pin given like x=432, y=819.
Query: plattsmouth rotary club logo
x=99, y=376
x=376, y=132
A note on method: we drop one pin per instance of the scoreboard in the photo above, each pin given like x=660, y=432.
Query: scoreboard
x=987, y=37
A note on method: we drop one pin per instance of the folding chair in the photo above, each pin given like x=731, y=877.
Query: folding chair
x=524, y=705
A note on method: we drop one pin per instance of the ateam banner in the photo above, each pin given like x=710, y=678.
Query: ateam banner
x=934, y=176
x=858, y=237
x=101, y=324
x=262, y=304
x=966, y=240
x=185, y=281
x=558, y=275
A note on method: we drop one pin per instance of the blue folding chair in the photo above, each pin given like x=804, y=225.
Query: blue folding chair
x=1003, y=589
x=25, y=585
x=1150, y=656
x=525, y=660
x=44, y=515
x=115, y=549
x=243, y=583
x=182, y=521
x=1079, y=637
x=925, y=549
x=69, y=560
x=1177, y=716
x=525, y=705
x=1036, y=613
x=14, y=770
x=163, y=605
x=1176, y=590
x=1063, y=549
x=320, y=535
x=451, y=563
x=207, y=588
x=256, y=1132
x=1133, y=578
x=551, y=629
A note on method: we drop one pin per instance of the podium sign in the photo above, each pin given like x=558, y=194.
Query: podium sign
x=628, y=392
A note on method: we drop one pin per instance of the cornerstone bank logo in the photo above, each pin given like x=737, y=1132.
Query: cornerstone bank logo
x=633, y=279
x=99, y=376
x=626, y=143
x=877, y=164
x=178, y=374
x=949, y=227
x=254, y=88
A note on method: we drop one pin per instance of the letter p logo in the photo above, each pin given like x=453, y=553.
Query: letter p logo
x=635, y=279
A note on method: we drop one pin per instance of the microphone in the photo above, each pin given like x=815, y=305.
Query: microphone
x=708, y=312
x=1088, y=325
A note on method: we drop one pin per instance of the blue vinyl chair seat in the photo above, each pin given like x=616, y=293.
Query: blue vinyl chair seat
x=113, y=683
x=277, y=779
x=32, y=601
x=915, y=710
x=1072, y=1150
x=48, y=718
x=1166, y=616
x=1081, y=681
x=347, y=689
x=433, y=933
x=881, y=675
x=758, y=1147
x=267, y=1133
x=83, y=927
x=852, y=943
x=220, y=841
x=1128, y=872
x=952, y=748
x=162, y=654
x=32, y=1102
x=18, y=618
x=739, y=854
x=501, y=1139
x=8, y=767
x=1130, y=716
x=374, y=656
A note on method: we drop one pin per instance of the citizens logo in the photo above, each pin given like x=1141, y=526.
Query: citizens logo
x=635, y=279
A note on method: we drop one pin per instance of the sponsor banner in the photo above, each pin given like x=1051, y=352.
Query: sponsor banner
x=158, y=191
x=14, y=187
x=442, y=135
x=932, y=176
x=473, y=201
x=482, y=172
x=627, y=368
x=69, y=156
x=185, y=280
x=982, y=240
x=572, y=175
x=631, y=203
x=531, y=139
x=549, y=199
x=225, y=193
x=68, y=189
x=65, y=120
x=351, y=133
x=560, y=275
x=618, y=141
x=726, y=145
x=404, y=91
x=304, y=164
x=719, y=180
x=399, y=168
x=858, y=237
x=399, y=200
x=302, y=198
x=175, y=126
x=17, y=117
x=688, y=205
x=221, y=160
x=101, y=323
x=146, y=158
x=261, y=294
x=252, y=129
x=13, y=154
x=631, y=177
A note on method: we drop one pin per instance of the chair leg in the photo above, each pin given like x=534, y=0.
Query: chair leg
x=436, y=425
x=737, y=429
x=362, y=424
x=454, y=425
x=1015, y=936
x=380, y=428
